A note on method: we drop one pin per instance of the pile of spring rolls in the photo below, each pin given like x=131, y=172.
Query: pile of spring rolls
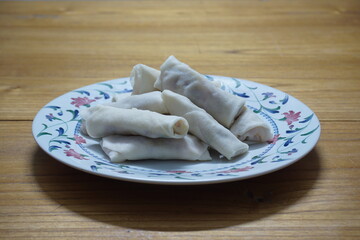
x=174, y=113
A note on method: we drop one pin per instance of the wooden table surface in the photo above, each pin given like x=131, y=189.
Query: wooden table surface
x=309, y=49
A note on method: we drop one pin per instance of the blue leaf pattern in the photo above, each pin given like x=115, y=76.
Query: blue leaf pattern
x=61, y=141
x=244, y=95
x=83, y=92
x=52, y=148
x=285, y=100
x=106, y=96
x=53, y=107
x=307, y=119
x=60, y=130
x=272, y=110
x=288, y=141
x=107, y=85
x=75, y=114
x=124, y=91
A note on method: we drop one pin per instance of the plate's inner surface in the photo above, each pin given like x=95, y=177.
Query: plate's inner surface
x=295, y=127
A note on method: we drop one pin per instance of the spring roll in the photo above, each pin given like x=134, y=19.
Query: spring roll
x=180, y=78
x=151, y=101
x=204, y=126
x=120, y=148
x=101, y=121
x=142, y=79
x=249, y=126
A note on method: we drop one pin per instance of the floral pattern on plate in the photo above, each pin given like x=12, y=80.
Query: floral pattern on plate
x=296, y=130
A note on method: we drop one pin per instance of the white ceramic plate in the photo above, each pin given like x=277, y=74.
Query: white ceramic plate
x=296, y=129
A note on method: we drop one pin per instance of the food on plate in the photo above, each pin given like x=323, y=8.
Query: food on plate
x=204, y=126
x=142, y=78
x=120, y=148
x=180, y=78
x=249, y=126
x=101, y=121
x=151, y=101
x=189, y=114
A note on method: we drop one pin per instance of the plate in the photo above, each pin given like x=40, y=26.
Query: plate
x=56, y=128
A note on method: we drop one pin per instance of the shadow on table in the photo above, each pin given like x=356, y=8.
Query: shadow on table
x=174, y=208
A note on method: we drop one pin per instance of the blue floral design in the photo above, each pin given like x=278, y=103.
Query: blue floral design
x=50, y=117
x=268, y=95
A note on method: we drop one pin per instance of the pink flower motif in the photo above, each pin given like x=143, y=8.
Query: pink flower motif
x=50, y=117
x=79, y=101
x=79, y=139
x=71, y=153
x=291, y=117
x=234, y=170
x=274, y=139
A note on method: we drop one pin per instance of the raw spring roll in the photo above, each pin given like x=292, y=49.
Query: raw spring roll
x=204, y=126
x=151, y=101
x=120, y=148
x=101, y=121
x=180, y=78
x=249, y=126
x=142, y=79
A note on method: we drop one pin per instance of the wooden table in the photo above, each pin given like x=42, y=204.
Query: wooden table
x=309, y=49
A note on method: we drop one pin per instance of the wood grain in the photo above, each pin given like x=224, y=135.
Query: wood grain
x=309, y=49
x=42, y=198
